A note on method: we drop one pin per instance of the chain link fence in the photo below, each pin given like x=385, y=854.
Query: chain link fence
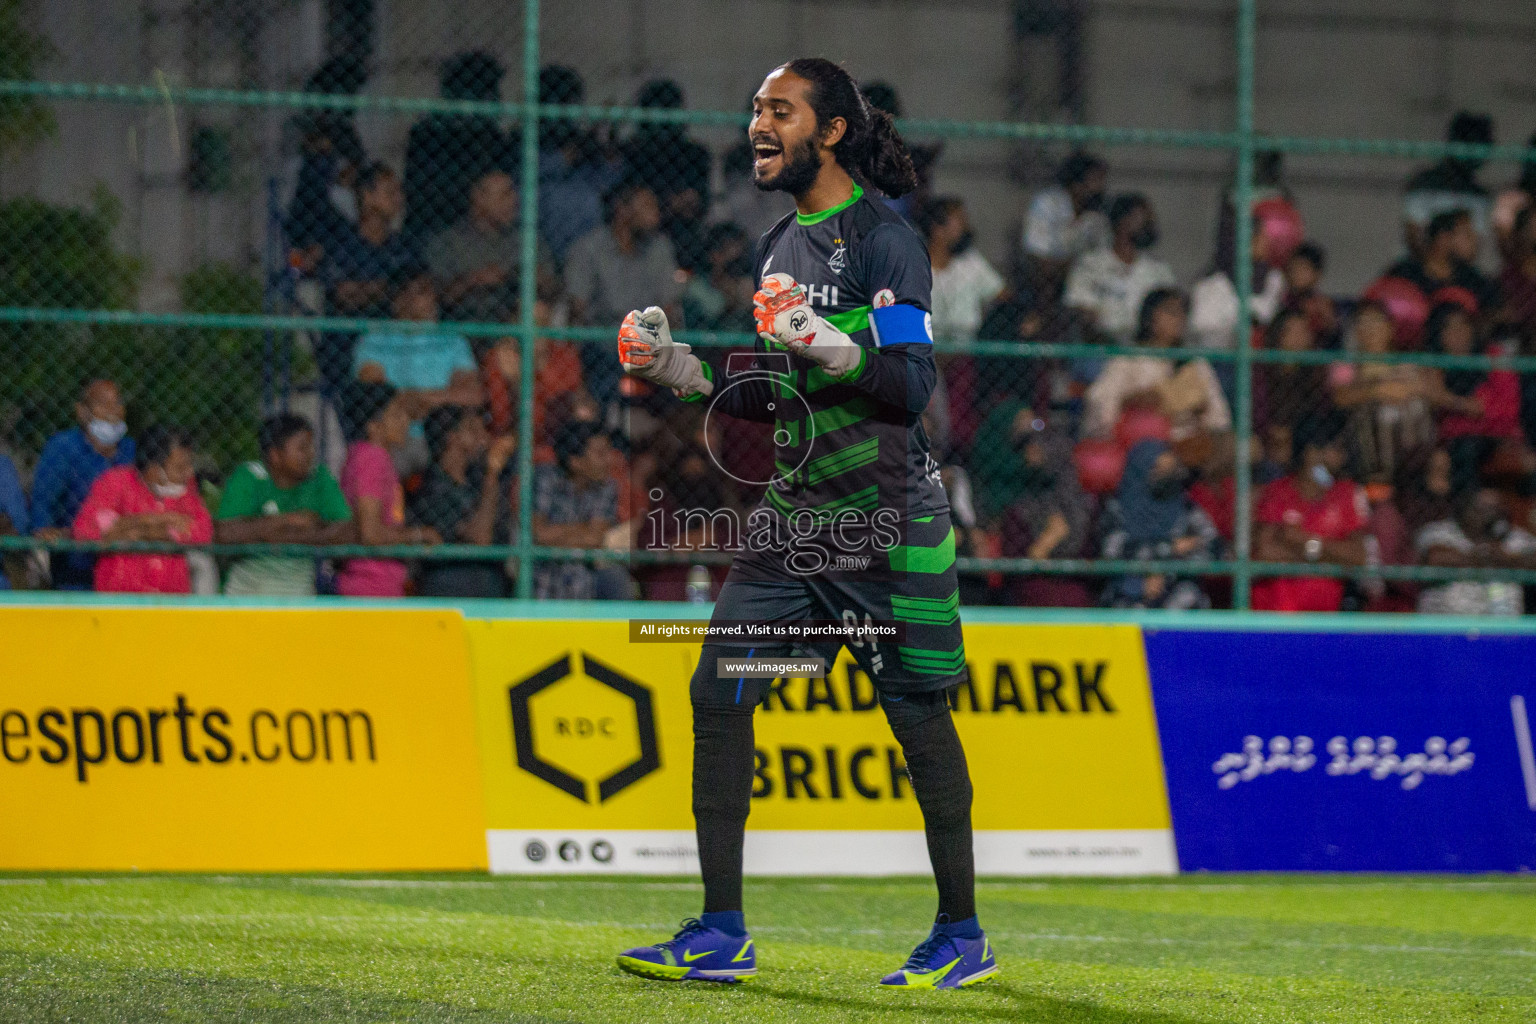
x=364, y=307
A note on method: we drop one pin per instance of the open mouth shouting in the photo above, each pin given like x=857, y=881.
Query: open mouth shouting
x=767, y=153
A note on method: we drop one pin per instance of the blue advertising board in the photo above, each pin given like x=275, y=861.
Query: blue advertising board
x=1347, y=751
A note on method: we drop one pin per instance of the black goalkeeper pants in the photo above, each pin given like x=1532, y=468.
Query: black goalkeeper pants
x=723, y=776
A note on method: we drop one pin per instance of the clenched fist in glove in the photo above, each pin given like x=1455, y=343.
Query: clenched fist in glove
x=785, y=317
x=646, y=349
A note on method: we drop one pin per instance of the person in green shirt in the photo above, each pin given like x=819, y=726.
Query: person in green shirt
x=283, y=499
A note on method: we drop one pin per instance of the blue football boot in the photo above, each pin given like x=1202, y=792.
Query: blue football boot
x=945, y=961
x=696, y=953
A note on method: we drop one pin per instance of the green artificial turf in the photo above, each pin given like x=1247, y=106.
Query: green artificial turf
x=278, y=949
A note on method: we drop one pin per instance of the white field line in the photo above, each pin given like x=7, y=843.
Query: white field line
x=482, y=919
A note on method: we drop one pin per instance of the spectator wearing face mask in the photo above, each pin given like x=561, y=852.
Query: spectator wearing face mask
x=70, y=463
x=964, y=283
x=965, y=286
x=1066, y=220
x=1152, y=517
x=1477, y=536
x=1310, y=516
x=1106, y=286
x=154, y=500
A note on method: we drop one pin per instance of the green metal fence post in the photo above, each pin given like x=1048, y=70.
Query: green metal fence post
x=527, y=295
x=1242, y=202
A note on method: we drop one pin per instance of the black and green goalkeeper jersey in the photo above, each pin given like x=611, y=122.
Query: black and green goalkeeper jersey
x=856, y=443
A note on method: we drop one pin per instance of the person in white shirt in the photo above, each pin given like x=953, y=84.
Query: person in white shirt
x=964, y=283
x=1479, y=537
x=1187, y=393
x=1213, y=299
x=1107, y=286
x=1066, y=219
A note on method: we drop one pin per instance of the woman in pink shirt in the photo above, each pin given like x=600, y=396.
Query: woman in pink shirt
x=377, y=422
x=154, y=500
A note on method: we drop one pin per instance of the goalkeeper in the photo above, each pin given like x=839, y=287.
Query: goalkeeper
x=845, y=291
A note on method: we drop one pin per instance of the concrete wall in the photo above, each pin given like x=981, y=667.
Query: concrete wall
x=1382, y=68
x=1363, y=68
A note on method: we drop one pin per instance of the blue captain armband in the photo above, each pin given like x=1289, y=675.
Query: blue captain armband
x=901, y=325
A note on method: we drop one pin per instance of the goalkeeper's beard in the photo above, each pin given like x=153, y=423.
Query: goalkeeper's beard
x=797, y=174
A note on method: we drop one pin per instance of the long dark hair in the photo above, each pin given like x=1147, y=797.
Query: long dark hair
x=1149, y=305
x=871, y=149
x=1457, y=382
x=156, y=444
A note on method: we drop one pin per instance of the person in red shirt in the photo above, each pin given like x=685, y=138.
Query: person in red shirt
x=155, y=499
x=1310, y=516
x=1478, y=410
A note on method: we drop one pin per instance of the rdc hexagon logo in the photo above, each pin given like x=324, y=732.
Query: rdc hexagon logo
x=591, y=735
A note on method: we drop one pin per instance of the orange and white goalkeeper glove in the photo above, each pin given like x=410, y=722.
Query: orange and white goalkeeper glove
x=785, y=317
x=646, y=349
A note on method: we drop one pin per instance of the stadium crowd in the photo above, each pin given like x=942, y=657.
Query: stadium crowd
x=1130, y=457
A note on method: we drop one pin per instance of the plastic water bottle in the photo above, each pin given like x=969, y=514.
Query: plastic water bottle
x=698, y=584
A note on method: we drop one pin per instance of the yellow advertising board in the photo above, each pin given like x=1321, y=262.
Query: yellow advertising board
x=587, y=740
x=225, y=739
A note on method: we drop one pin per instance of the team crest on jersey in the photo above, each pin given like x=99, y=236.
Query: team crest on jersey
x=839, y=261
x=884, y=297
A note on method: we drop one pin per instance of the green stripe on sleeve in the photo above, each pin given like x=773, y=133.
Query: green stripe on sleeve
x=850, y=320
